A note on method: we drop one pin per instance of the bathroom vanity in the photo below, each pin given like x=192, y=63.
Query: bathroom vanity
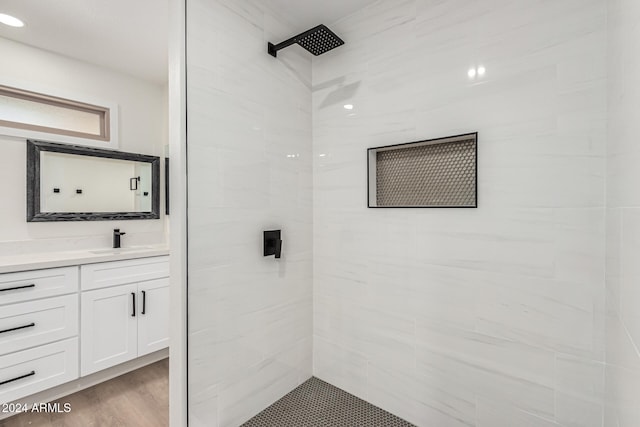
x=65, y=316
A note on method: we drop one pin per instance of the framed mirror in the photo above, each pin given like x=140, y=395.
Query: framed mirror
x=77, y=183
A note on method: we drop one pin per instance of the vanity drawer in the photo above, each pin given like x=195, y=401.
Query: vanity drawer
x=34, y=323
x=30, y=371
x=30, y=285
x=105, y=274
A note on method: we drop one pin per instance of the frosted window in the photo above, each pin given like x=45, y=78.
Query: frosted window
x=29, y=110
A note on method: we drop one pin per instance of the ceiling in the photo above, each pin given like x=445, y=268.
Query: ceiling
x=131, y=35
x=309, y=13
x=126, y=35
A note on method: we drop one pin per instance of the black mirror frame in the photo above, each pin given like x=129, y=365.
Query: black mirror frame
x=33, y=183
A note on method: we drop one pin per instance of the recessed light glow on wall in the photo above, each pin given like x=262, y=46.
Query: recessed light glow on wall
x=348, y=107
x=472, y=73
x=481, y=70
x=10, y=20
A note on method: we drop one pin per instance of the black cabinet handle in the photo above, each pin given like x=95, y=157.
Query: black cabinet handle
x=30, y=374
x=144, y=302
x=133, y=296
x=15, y=288
x=30, y=325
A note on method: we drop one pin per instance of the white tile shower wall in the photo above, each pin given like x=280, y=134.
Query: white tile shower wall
x=142, y=123
x=249, y=159
x=488, y=317
x=623, y=216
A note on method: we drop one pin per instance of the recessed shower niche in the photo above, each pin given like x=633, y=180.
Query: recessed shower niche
x=435, y=173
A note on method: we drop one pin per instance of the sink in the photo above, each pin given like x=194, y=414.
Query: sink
x=120, y=250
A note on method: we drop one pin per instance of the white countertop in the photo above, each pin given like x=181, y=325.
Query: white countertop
x=37, y=261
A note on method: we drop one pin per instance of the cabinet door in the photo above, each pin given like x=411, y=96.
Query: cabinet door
x=153, y=323
x=109, y=327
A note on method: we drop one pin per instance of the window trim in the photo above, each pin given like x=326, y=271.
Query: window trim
x=77, y=92
x=103, y=113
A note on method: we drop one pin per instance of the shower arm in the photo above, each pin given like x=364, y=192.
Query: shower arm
x=273, y=49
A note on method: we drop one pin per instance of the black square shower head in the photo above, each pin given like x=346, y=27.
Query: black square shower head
x=317, y=40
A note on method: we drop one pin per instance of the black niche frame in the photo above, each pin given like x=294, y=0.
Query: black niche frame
x=34, y=148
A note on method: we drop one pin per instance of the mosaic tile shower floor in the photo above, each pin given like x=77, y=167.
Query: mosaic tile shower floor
x=316, y=403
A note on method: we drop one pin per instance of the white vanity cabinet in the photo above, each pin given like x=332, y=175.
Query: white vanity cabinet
x=124, y=311
x=38, y=330
x=58, y=324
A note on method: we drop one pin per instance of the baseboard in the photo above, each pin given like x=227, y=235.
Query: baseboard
x=90, y=380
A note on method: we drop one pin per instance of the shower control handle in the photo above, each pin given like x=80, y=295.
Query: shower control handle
x=278, y=248
x=272, y=244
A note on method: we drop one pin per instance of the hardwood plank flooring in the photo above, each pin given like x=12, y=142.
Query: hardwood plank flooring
x=137, y=399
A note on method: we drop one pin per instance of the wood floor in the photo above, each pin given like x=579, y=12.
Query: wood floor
x=137, y=399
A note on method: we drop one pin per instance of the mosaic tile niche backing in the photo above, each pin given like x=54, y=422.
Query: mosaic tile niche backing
x=438, y=173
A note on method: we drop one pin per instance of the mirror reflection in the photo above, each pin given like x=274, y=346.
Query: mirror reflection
x=73, y=183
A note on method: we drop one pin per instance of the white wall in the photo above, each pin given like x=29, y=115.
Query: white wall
x=249, y=164
x=623, y=216
x=105, y=183
x=488, y=317
x=142, y=120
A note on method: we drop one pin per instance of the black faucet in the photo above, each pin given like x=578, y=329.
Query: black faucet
x=116, y=237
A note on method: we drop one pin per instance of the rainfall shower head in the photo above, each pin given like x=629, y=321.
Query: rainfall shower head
x=317, y=40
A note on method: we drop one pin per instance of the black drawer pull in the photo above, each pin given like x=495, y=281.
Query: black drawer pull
x=144, y=302
x=17, y=287
x=133, y=296
x=30, y=325
x=30, y=374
